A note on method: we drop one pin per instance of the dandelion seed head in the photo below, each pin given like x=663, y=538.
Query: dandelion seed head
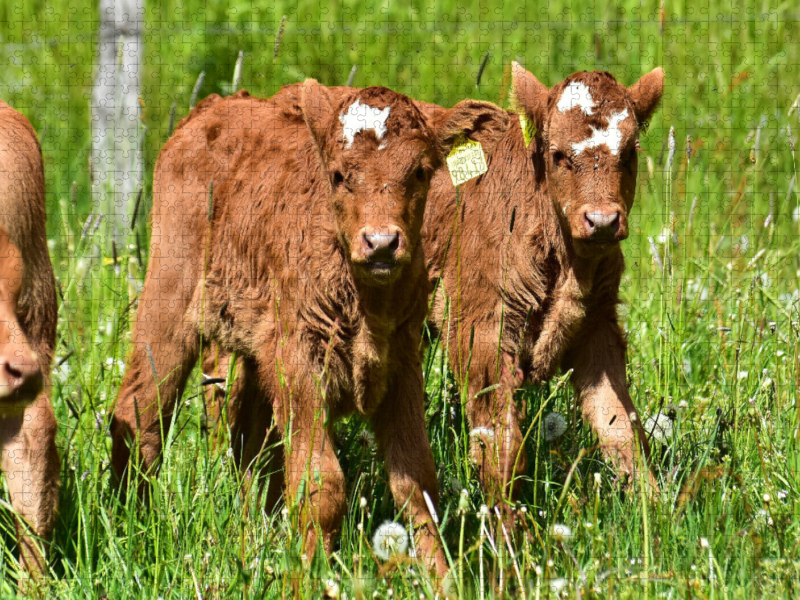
x=660, y=428
x=561, y=533
x=553, y=426
x=390, y=539
x=557, y=585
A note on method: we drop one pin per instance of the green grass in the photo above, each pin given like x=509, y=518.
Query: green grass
x=714, y=331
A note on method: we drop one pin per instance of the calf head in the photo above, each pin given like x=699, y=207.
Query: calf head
x=21, y=377
x=588, y=130
x=378, y=153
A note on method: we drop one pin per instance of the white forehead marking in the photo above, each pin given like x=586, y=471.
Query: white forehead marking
x=576, y=94
x=611, y=137
x=360, y=117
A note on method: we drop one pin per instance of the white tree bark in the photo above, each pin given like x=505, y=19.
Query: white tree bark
x=117, y=162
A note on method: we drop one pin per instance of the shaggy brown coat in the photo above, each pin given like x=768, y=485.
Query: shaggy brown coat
x=542, y=296
x=28, y=318
x=307, y=263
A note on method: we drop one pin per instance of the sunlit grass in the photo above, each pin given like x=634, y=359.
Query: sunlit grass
x=711, y=307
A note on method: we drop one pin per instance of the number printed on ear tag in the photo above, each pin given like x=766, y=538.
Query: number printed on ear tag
x=466, y=161
x=528, y=129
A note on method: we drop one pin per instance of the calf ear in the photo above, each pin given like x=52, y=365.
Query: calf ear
x=645, y=94
x=483, y=122
x=528, y=95
x=317, y=107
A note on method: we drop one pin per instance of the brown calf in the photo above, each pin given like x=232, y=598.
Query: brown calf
x=308, y=264
x=28, y=317
x=544, y=295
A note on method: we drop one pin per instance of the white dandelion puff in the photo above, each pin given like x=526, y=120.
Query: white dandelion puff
x=561, y=533
x=660, y=428
x=390, y=539
x=557, y=585
x=553, y=426
x=482, y=432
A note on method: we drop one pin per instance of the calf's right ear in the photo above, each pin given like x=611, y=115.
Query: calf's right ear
x=317, y=107
x=528, y=95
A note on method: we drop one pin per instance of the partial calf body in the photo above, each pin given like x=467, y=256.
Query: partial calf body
x=28, y=317
x=313, y=275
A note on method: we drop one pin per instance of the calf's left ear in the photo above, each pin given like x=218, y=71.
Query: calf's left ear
x=483, y=122
x=645, y=94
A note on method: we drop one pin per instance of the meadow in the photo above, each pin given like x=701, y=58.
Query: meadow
x=711, y=309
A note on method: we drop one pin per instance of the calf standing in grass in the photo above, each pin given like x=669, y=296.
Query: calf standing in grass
x=543, y=295
x=28, y=317
x=306, y=261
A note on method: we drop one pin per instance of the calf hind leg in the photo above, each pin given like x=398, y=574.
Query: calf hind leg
x=164, y=350
x=255, y=441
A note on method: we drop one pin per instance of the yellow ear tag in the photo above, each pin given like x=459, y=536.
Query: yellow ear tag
x=466, y=161
x=528, y=129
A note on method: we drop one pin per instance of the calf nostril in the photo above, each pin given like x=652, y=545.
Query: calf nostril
x=589, y=222
x=13, y=371
x=394, y=244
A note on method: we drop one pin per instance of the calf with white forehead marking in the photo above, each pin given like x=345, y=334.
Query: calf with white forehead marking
x=308, y=264
x=546, y=289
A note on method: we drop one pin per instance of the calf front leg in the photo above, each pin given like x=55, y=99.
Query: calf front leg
x=30, y=462
x=315, y=484
x=399, y=424
x=496, y=444
x=598, y=362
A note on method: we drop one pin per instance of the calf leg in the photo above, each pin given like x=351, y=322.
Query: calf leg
x=29, y=459
x=164, y=348
x=495, y=436
x=249, y=413
x=315, y=484
x=598, y=361
x=399, y=424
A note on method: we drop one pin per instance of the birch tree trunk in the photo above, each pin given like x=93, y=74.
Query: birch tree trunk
x=117, y=162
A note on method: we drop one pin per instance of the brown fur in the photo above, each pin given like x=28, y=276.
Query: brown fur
x=28, y=318
x=553, y=288
x=322, y=329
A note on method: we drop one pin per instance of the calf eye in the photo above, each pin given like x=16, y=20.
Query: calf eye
x=337, y=178
x=561, y=160
x=420, y=174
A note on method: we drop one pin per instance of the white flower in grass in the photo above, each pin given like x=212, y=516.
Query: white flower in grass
x=390, y=539
x=553, y=426
x=479, y=432
x=561, y=533
x=557, y=585
x=660, y=428
x=331, y=589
